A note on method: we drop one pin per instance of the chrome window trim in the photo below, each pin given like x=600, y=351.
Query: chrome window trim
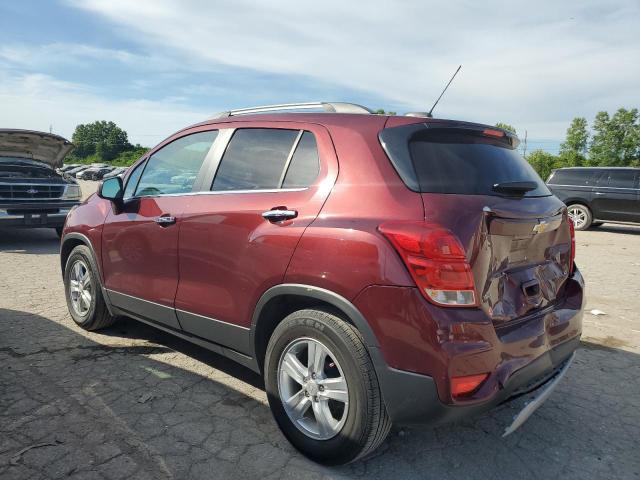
x=287, y=162
x=593, y=187
x=222, y=192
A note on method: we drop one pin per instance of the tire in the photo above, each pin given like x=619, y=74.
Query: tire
x=90, y=313
x=361, y=423
x=581, y=216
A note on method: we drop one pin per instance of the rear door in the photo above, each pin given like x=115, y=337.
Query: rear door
x=140, y=243
x=616, y=196
x=236, y=238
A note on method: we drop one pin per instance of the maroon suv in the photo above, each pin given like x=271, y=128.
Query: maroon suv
x=375, y=269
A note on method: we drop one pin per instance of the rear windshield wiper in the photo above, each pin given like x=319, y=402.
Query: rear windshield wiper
x=514, y=188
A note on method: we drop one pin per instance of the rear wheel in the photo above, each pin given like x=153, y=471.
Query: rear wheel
x=83, y=292
x=322, y=388
x=581, y=216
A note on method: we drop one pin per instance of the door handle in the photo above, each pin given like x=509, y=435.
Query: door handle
x=279, y=214
x=599, y=193
x=165, y=220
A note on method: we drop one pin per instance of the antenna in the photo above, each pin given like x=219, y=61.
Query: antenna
x=445, y=89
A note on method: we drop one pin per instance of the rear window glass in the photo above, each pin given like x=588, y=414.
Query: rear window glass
x=305, y=164
x=450, y=161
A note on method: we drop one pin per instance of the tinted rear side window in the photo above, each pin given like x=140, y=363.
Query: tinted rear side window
x=254, y=159
x=622, y=179
x=305, y=164
x=574, y=177
x=466, y=162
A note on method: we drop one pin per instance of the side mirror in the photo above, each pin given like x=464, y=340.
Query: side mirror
x=111, y=189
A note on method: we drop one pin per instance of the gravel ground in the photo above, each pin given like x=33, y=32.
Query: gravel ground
x=133, y=402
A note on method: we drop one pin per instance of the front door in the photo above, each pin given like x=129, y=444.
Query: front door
x=236, y=239
x=140, y=243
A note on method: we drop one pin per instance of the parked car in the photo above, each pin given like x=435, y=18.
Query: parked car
x=101, y=172
x=67, y=167
x=87, y=173
x=118, y=171
x=429, y=277
x=90, y=172
x=595, y=195
x=74, y=171
x=32, y=193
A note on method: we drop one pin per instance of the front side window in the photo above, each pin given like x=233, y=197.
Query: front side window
x=254, y=159
x=173, y=169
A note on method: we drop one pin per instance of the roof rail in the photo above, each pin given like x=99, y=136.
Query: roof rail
x=332, y=107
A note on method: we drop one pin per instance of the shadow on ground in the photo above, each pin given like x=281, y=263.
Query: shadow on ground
x=32, y=241
x=138, y=403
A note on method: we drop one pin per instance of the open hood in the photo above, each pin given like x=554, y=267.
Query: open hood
x=41, y=146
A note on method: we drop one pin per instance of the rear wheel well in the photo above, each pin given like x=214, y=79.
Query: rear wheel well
x=277, y=309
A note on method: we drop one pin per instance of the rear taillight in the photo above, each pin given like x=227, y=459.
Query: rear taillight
x=436, y=260
x=572, y=259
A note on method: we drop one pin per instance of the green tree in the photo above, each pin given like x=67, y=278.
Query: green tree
x=104, y=140
x=543, y=162
x=616, y=140
x=381, y=111
x=507, y=127
x=573, y=150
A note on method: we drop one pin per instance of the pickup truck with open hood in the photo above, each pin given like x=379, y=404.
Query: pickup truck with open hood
x=32, y=193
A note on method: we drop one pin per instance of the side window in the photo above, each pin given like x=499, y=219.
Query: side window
x=582, y=177
x=132, y=182
x=174, y=168
x=622, y=178
x=305, y=164
x=254, y=159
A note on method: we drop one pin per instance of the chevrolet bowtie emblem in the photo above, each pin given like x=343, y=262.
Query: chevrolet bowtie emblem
x=540, y=227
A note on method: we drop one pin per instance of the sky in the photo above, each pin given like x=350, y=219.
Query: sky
x=156, y=66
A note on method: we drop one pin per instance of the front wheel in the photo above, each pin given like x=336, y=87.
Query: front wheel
x=83, y=291
x=580, y=215
x=323, y=389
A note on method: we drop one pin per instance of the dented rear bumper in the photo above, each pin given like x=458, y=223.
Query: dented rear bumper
x=422, y=347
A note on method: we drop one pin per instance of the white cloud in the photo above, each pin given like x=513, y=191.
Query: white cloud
x=35, y=101
x=535, y=65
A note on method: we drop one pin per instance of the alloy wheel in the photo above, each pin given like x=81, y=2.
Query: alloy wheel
x=80, y=288
x=313, y=388
x=578, y=215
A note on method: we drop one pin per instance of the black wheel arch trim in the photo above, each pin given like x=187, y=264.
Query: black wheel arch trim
x=84, y=240
x=317, y=293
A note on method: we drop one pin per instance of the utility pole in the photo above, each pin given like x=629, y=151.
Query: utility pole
x=524, y=153
x=50, y=128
